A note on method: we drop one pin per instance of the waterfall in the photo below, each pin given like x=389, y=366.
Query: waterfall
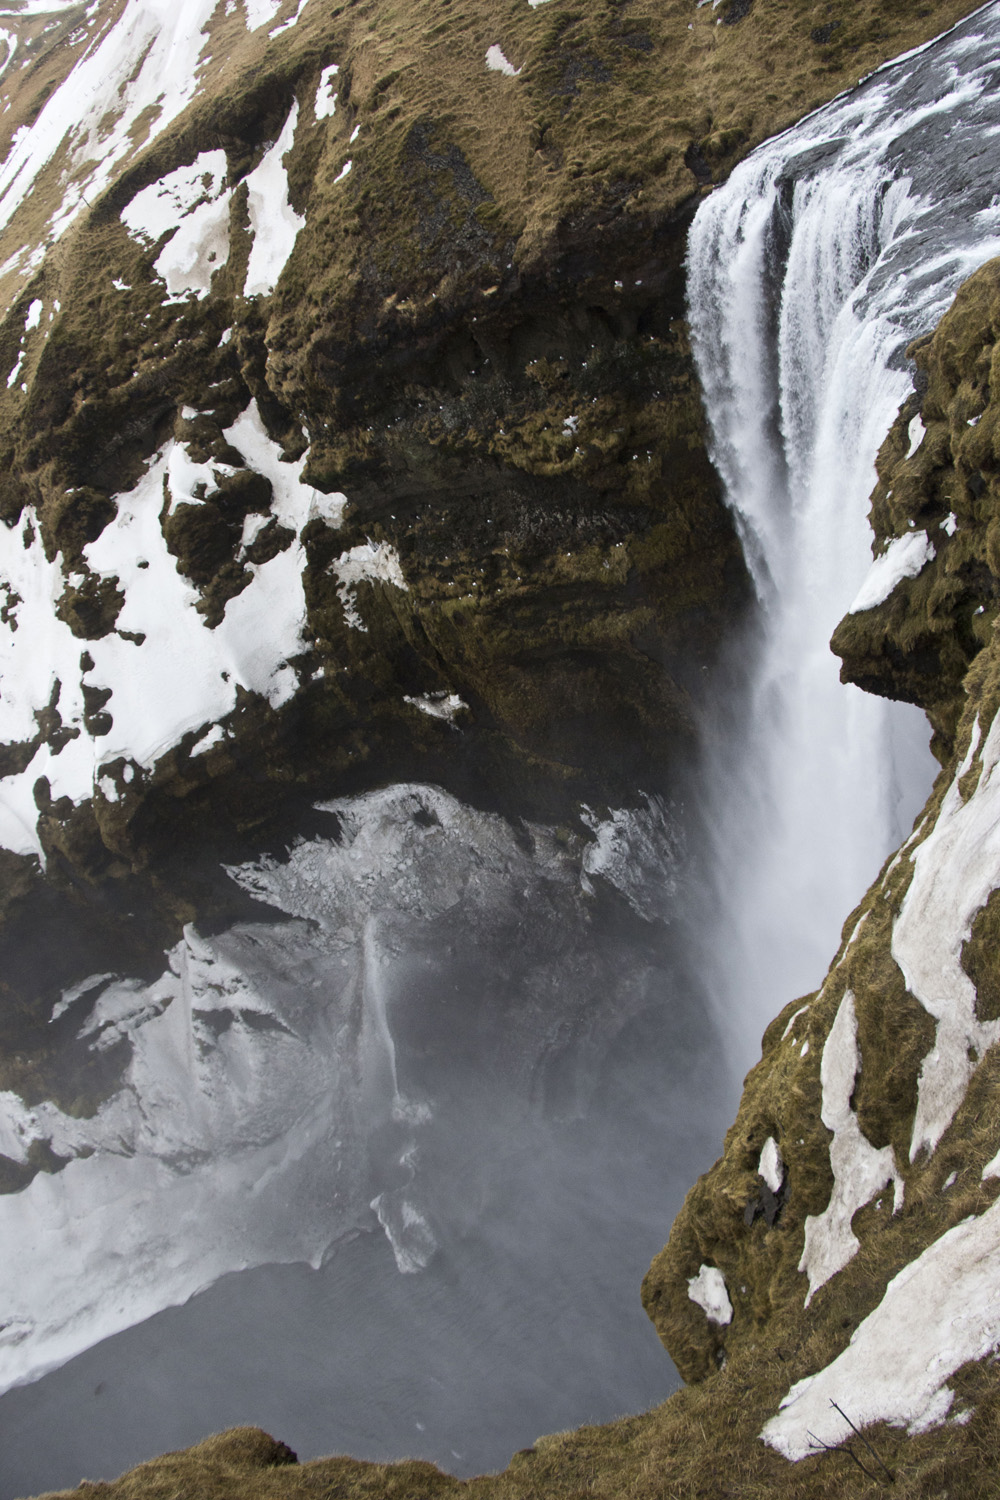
x=825, y=253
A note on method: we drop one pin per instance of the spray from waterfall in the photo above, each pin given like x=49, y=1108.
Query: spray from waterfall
x=810, y=270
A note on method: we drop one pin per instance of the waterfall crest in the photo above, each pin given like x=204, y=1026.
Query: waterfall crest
x=826, y=252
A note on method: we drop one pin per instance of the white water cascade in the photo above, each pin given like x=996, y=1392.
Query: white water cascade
x=826, y=252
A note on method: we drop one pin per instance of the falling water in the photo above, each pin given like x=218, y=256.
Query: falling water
x=810, y=270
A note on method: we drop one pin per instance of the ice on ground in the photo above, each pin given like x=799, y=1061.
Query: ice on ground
x=941, y=1311
x=326, y=92
x=498, y=63
x=638, y=850
x=859, y=1170
x=955, y=870
x=904, y=557
x=192, y=204
x=260, y=1066
x=274, y=222
x=214, y=1123
x=708, y=1291
x=369, y=562
x=771, y=1167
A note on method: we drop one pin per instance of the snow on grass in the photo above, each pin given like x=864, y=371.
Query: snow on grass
x=708, y=1291
x=192, y=205
x=941, y=1311
x=437, y=705
x=955, y=869
x=168, y=673
x=369, y=562
x=498, y=63
x=859, y=1170
x=293, y=502
x=215, y=736
x=344, y=171
x=326, y=92
x=259, y=12
x=146, y=64
x=292, y=20
x=274, y=222
x=903, y=558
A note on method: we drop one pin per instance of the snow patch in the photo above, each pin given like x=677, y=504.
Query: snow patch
x=859, y=1170
x=168, y=673
x=904, y=557
x=771, y=1167
x=955, y=870
x=916, y=432
x=147, y=64
x=214, y=736
x=274, y=222
x=192, y=205
x=498, y=63
x=369, y=562
x=326, y=92
x=259, y=12
x=941, y=1311
x=708, y=1291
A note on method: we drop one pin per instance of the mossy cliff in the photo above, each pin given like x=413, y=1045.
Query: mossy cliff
x=479, y=339
x=878, y=1150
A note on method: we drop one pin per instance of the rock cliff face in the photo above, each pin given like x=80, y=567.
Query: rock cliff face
x=358, y=338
